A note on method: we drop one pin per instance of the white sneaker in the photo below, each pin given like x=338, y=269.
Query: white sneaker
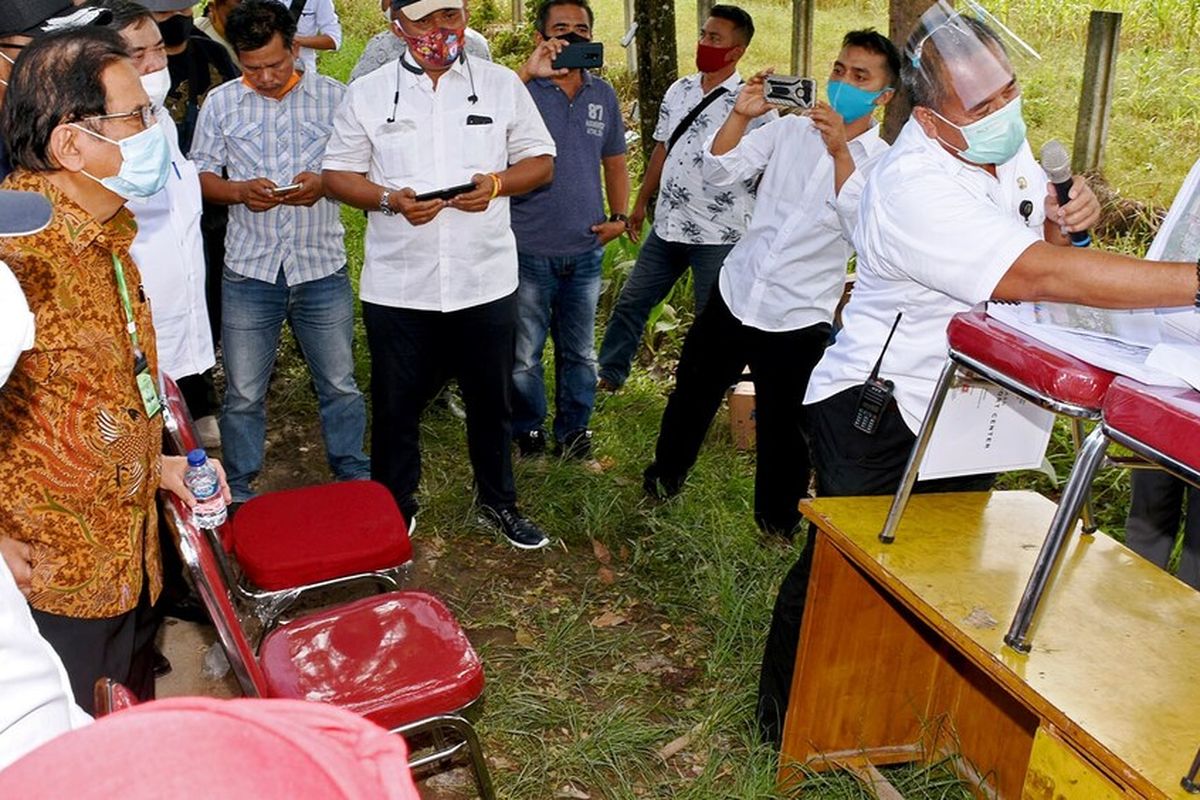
x=209, y=432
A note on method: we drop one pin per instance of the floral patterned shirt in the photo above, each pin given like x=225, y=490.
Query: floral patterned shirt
x=79, y=459
x=690, y=210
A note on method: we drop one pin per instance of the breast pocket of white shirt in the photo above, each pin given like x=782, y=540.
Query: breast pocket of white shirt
x=484, y=144
x=313, y=139
x=245, y=145
x=395, y=145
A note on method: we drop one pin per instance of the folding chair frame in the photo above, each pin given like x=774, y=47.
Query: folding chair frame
x=243, y=659
x=955, y=362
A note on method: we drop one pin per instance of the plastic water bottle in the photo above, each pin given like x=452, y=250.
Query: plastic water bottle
x=202, y=480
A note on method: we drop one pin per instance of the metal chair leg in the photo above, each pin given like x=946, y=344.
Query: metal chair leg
x=1085, y=514
x=900, y=501
x=464, y=732
x=483, y=779
x=1189, y=780
x=1091, y=455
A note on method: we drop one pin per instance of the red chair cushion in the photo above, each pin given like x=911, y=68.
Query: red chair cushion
x=1163, y=418
x=1045, y=370
x=394, y=658
x=301, y=536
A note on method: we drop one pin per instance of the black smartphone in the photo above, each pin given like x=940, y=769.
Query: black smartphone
x=581, y=55
x=446, y=194
x=790, y=90
x=873, y=399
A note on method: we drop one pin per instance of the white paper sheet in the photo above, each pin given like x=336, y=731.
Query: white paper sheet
x=986, y=429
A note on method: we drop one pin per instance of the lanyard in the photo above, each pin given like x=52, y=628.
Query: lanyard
x=123, y=290
x=141, y=368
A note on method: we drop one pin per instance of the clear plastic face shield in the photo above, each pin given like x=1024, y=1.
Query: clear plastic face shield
x=966, y=50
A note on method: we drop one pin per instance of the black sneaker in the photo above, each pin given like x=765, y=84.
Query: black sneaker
x=532, y=443
x=516, y=527
x=659, y=486
x=576, y=444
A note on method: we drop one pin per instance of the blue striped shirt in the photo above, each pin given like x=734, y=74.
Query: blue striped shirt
x=252, y=136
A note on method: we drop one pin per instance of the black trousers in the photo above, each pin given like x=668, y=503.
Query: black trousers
x=412, y=355
x=1155, y=513
x=716, y=349
x=120, y=647
x=848, y=463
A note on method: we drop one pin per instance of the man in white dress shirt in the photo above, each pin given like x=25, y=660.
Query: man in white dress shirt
x=439, y=277
x=775, y=296
x=168, y=247
x=36, y=703
x=956, y=213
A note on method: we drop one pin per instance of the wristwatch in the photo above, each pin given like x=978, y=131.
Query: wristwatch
x=384, y=206
x=618, y=218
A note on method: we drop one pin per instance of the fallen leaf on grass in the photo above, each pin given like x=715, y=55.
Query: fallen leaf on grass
x=606, y=576
x=601, y=552
x=607, y=620
x=523, y=638
x=570, y=792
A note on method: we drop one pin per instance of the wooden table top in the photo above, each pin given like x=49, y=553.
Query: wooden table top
x=1115, y=663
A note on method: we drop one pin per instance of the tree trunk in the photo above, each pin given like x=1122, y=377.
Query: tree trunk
x=903, y=16
x=657, y=61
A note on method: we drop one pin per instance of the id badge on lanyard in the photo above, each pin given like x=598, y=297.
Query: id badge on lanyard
x=141, y=366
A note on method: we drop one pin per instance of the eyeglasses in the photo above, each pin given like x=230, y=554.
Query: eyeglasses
x=147, y=114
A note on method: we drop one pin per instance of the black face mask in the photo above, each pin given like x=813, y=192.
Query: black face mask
x=572, y=38
x=175, y=30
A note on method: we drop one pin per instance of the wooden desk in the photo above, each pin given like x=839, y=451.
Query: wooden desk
x=902, y=656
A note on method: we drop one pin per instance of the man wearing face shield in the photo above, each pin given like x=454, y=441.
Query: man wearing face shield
x=561, y=232
x=957, y=212
x=23, y=20
x=439, y=281
x=81, y=459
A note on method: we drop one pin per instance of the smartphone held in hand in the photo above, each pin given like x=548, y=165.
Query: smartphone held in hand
x=790, y=90
x=447, y=193
x=580, y=55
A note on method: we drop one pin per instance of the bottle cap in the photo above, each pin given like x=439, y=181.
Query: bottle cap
x=197, y=457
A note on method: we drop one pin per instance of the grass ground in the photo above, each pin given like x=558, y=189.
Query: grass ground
x=622, y=661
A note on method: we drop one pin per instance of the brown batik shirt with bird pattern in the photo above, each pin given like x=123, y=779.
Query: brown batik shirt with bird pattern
x=79, y=459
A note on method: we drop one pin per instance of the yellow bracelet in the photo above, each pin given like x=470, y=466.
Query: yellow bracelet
x=495, y=185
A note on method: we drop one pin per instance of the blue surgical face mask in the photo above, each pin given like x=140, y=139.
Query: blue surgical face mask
x=145, y=163
x=995, y=139
x=851, y=102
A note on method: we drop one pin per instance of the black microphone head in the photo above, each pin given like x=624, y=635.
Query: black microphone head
x=1056, y=161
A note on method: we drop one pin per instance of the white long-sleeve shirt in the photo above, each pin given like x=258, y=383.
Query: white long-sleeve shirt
x=788, y=270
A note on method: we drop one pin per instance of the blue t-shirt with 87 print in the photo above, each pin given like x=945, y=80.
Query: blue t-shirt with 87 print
x=556, y=219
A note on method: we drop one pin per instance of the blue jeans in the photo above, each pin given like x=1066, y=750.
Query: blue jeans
x=321, y=314
x=557, y=294
x=659, y=265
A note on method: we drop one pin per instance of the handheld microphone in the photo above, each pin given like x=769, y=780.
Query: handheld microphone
x=1057, y=165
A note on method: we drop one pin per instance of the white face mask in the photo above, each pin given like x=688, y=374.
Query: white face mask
x=157, y=84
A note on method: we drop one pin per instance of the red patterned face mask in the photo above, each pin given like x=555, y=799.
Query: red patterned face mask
x=439, y=48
